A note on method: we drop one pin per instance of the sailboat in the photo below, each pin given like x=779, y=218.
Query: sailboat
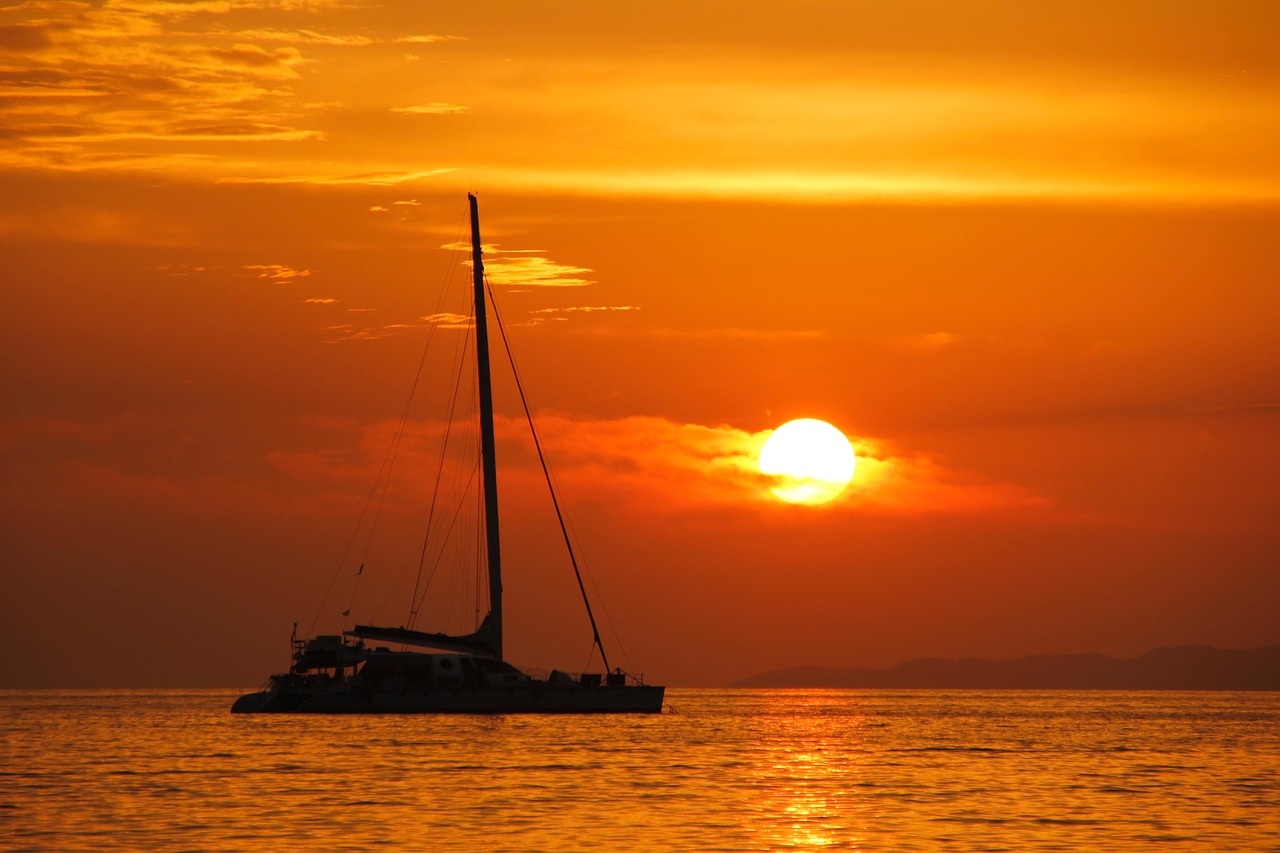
x=351, y=673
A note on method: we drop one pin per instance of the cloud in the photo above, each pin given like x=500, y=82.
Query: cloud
x=888, y=119
x=278, y=63
x=98, y=83
x=309, y=36
x=374, y=179
x=635, y=466
x=276, y=272
x=24, y=37
x=186, y=269
x=655, y=465
x=302, y=36
x=803, y=185
x=693, y=464
x=588, y=309
x=448, y=320
x=442, y=320
x=170, y=8
x=103, y=75
x=732, y=333
x=273, y=272
x=431, y=109
x=543, y=315
x=428, y=39
x=533, y=271
x=524, y=267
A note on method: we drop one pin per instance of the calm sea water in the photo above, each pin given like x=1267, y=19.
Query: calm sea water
x=727, y=770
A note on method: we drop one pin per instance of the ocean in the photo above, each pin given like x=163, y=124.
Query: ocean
x=732, y=770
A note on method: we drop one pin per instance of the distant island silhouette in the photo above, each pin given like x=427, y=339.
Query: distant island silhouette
x=1180, y=668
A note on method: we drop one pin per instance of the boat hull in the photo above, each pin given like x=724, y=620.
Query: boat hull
x=520, y=699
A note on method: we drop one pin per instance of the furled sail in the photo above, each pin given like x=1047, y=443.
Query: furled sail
x=481, y=641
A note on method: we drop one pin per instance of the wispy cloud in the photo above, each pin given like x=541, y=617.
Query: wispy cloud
x=99, y=76
x=525, y=267
x=273, y=272
x=428, y=39
x=98, y=83
x=431, y=109
x=373, y=332
x=541, y=316
x=373, y=179
x=729, y=333
x=586, y=309
x=303, y=36
x=534, y=271
x=177, y=270
x=448, y=320
x=276, y=272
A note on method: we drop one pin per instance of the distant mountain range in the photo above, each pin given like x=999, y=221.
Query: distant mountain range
x=1181, y=668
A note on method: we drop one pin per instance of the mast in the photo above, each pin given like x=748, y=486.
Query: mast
x=489, y=464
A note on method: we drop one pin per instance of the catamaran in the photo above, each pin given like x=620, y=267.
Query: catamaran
x=350, y=673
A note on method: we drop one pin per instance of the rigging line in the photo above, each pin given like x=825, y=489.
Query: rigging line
x=464, y=479
x=393, y=453
x=450, y=268
x=460, y=352
x=454, y=611
x=555, y=502
x=388, y=467
x=383, y=472
x=603, y=603
x=457, y=513
x=600, y=599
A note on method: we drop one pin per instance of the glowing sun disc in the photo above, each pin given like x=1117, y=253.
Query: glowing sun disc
x=809, y=461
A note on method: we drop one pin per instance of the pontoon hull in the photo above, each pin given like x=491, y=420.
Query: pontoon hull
x=520, y=699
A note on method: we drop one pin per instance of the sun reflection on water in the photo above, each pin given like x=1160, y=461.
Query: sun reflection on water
x=806, y=774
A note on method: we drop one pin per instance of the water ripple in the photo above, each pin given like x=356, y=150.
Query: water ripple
x=734, y=770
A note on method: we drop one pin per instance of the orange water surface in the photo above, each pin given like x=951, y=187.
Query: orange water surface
x=721, y=770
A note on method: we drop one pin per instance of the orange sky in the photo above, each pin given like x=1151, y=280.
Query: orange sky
x=1024, y=257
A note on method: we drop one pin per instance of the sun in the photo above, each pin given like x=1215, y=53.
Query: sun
x=809, y=461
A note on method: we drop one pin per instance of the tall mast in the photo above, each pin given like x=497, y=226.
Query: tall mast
x=489, y=464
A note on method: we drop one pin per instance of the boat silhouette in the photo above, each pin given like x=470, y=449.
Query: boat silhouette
x=349, y=673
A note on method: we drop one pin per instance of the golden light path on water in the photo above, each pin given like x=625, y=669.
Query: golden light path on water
x=722, y=770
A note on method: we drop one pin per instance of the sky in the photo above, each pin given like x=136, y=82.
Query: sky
x=1023, y=255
